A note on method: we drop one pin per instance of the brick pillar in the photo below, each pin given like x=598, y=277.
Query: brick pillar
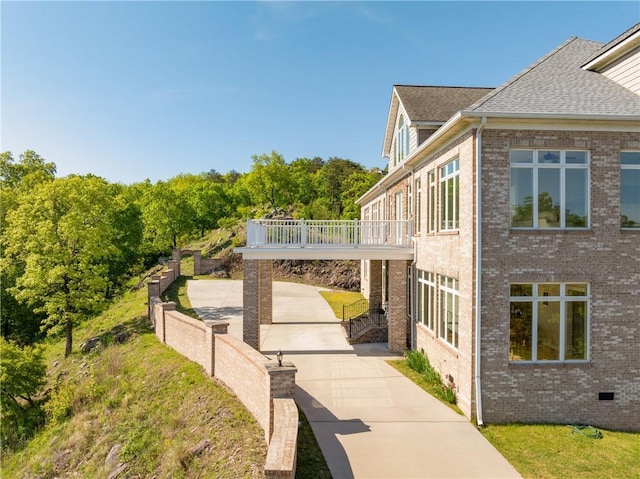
x=397, y=316
x=197, y=262
x=170, y=306
x=250, y=302
x=213, y=328
x=375, y=282
x=265, y=291
x=282, y=384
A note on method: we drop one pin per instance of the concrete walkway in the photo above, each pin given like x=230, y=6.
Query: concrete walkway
x=370, y=421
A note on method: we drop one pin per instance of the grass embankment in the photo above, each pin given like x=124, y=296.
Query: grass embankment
x=338, y=299
x=544, y=451
x=142, y=397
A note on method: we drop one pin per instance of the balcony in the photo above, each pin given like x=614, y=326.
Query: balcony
x=327, y=239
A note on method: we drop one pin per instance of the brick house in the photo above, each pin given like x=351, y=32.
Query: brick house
x=524, y=289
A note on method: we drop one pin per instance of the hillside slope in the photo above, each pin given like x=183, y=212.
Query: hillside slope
x=135, y=408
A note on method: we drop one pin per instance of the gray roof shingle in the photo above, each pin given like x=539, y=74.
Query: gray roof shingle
x=436, y=103
x=556, y=84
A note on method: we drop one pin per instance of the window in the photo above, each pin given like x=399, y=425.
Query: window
x=549, y=189
x=401, y=149
x=548, y=322
x=448, y=328
x=431, y=222
x=449, y=195
x=630, y=189
x=426, y=299
x=418, y=206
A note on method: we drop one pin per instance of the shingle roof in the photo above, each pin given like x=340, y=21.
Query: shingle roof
x=436, y=103
x=556, y=84
x=619, y=39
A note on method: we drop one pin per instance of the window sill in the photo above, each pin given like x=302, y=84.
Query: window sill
x=630, y=230
x=563, y=364
x=549, y=230
x=448, y=233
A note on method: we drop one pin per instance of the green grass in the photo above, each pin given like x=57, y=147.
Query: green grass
x=310, y=462
x=142, y=396
x=557, y=452
x=338, y=299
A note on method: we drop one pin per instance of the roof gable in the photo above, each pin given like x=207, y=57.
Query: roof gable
x=427, y=105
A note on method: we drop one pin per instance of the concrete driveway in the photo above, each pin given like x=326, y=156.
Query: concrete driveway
x=370, y=421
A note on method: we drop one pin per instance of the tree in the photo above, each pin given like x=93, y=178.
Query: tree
x=269, y=182
x=354, y=186
x=63, y=234
x=331, y=177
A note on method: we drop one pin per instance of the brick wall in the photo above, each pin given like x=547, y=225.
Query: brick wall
x=604, y=256
x=264, y=387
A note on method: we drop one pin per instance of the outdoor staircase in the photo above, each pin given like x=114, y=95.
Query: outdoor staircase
x=365, y=323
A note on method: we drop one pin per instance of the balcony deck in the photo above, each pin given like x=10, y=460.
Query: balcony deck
x=327, y=239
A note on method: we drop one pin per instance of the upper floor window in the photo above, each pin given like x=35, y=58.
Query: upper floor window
x=630, y=189
x=432, y=211
x=549, y=189
x=401, y=149
x=449, y=196
x=548, y=321
x=418, y=206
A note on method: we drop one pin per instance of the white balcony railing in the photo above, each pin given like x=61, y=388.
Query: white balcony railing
x=328, y=233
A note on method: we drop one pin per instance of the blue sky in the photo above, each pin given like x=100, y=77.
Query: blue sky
x=136, y=90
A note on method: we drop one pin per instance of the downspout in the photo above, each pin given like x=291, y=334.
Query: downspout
x=478, y=278
x=412, y=291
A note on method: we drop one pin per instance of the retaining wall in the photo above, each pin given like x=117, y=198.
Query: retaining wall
x=265, y=387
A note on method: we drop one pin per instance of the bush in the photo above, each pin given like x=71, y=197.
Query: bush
x=22, y=375
x=420, y=363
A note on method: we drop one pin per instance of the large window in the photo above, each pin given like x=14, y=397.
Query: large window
x=449, y=195
x=548, y=322
x=630, y=189
x=448, y=327
x=426, y=299
x=549, y=189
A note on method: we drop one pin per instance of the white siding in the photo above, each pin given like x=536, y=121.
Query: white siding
x=626, y=71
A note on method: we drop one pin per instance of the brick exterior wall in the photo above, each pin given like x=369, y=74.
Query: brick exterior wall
x=451, y=254
x=397, y=315
x=604, y=256
x=265, y=295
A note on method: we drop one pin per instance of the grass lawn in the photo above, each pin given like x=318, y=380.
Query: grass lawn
x=338, y=299
x=556, y=451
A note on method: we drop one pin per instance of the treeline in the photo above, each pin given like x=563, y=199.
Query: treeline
x=70, y=244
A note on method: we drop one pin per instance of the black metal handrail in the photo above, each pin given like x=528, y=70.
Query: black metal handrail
x=353, y=310
x=374, y=317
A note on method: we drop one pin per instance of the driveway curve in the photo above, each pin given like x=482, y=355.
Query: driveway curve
x=370, y=421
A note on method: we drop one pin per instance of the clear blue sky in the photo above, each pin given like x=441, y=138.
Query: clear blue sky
x=136, y=90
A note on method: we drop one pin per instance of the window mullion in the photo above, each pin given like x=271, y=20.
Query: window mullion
x=535, y=192
x=534, y=324
x=562, y=322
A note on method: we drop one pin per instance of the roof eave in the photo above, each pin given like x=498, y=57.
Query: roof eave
x=613, y=53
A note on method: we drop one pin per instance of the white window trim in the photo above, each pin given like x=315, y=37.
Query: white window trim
x=426, y=281
x=562, y=166
x=452, y=223
x=563, y=298
x=442, y=332
x=622, y=168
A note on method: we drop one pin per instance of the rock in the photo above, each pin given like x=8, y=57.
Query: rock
x=200, y=447
x=90, y=344
x=113, y=458
x=117, y=471
x=120, y=337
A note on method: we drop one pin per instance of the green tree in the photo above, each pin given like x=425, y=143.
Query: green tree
x=63, y=234
x=22, y=375
x=354, y=186
x=331, y=178
x=269, y=182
